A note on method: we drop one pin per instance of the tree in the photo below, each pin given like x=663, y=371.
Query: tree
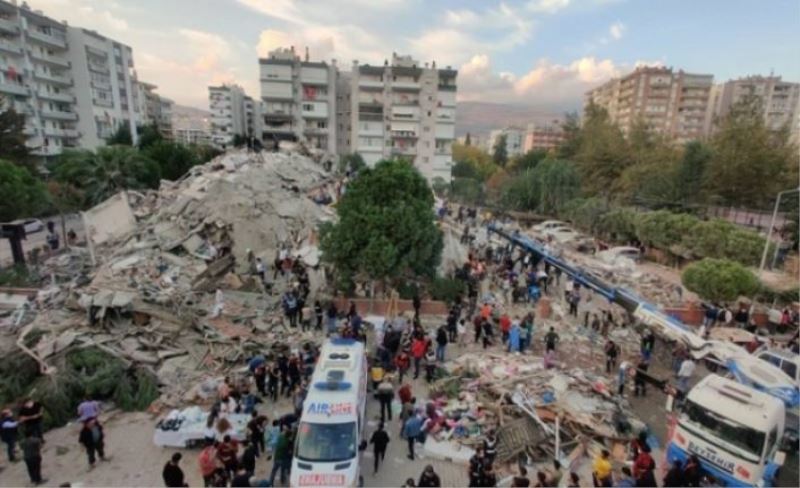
x=691, y=172
x=467, y=190
x=559, y=183
x=529, y=160
x=468, y=140
x=12, y=137
x=663, y=229
x=585, y=213
x=602, y=153
x=500, y=151
x=23, y=195
x=386, y=228
x=121, y=136
x=174, y=160
x=353, y=162
x=107, y=171
x=204, y=153
x=475, y=157
x=148, y=135
x=619, y=224
x=750, y=163
x=719, y=280
x=571, y=144
x=66, y=199
x=439, y=186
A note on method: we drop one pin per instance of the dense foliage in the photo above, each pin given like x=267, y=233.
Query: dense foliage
x=719, y=280
x=386, y=228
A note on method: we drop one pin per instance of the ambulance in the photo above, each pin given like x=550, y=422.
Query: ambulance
x=734, y=430
x=331, y=428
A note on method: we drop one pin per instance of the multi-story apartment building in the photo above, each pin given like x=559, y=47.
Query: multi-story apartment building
x=299, y=98
x=154, y=109
x=674, y=104
x=254, y=117
x=780, y=100
x=74, y=86
x=228, y=119
x=36, y=79
x=515, y=139
x=399, y=109
x=544, y=137
x=104, y=86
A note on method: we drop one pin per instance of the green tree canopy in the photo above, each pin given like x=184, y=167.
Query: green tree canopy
x=472, y=156
x=386, y=228
x=23, y=195
x=148, y=135
x=121, y=136
x=529, y=160
x=546, y=188
x=103, y=173
x=12, y=138
x=351, y=162
x=602, y=153
x=500, y=151
x=691, y=173
x=719, y=280
x=571, y=127
x=750, y=163
x=174, y=160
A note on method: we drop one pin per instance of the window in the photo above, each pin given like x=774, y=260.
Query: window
x=745, y=438
x=308, y=106
x=789, y=368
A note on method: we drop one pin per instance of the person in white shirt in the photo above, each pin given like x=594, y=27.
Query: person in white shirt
x=685, y=374
x=219, y=304
x=461, y=330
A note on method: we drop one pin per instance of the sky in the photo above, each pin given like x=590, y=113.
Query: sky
x=540, y=53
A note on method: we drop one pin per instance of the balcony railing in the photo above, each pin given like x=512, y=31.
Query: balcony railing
x=9, y=26
x=13, y=88
x=48, y=39
x=52, y=78
x=59, y=115
x=58, y=97
x=9, y=47
x=46, y=58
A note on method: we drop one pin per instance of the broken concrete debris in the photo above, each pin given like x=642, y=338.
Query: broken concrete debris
x=144, y=289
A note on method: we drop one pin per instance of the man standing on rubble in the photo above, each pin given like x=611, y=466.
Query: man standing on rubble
x=441, y=343
x=92, y=438
x=551, y=340
x=289, y=303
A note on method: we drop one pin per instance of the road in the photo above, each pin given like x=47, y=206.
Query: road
x=73, y=221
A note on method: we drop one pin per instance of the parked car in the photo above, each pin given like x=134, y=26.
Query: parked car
x=562, y=234
x=33, y=225
x=547, y=225
x=611, y=255
x=787, y=361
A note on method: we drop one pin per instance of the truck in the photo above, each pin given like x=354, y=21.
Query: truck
x=734, y=430
x=332, y=424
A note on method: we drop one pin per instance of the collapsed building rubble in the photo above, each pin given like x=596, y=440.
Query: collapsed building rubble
x=144, y=290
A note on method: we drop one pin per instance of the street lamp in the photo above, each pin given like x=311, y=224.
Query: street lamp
x=771, y=226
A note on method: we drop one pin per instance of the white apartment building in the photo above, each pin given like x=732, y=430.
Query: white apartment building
x=299, y=98
x=400, y=109
x=154, y=109
x=104, y=87
x=36, y=79
x=515, y=140
x=780, y=100
x=228, y=114
x=674, y=104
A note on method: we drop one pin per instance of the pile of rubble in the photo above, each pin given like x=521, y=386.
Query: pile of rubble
x=159, y=263
x=537, y=414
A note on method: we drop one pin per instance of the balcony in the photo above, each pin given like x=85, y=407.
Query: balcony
x=52, y=78
x=317, y=131
x=48, y=39
x=57, y=97
x=13, y=88
x=30, y=131
x=370, y=84
x=406, y=85
x=404, y=151
x=9, y=47
x=59, y=115
x=9, y=26
x=70, y=133
x=103, y=102
x=47, y=151
x=51, y=60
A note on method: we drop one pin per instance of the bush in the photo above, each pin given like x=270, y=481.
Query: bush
x=467, y=190
x=719, y=280
x=619, y=224
x=663, y=229
x=446, y=289
x=585, y=213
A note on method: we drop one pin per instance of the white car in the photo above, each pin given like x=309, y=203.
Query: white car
x=33, y=225
x=787, y=361
x=562, y=234
x=611, y=255
x=547, y=225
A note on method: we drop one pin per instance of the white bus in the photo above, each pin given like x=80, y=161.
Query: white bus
x=331, y=428
x=733, y=429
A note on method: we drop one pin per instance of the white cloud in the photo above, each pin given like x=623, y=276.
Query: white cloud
x=547, y=6
x=616, y=30
x=343, y=43
x=547, y=84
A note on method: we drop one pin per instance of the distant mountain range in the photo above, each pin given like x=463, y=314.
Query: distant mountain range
x=482, y=117
x=184, y=117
